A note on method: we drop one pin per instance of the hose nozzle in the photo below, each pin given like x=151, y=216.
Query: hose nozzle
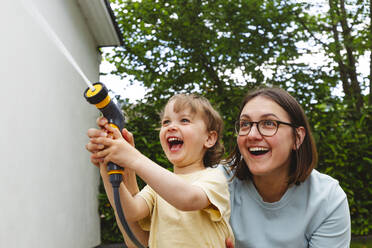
x=101, y=99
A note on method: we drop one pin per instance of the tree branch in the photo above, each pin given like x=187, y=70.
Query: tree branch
x=310, y=32
x=338, y=57
x=351, y=65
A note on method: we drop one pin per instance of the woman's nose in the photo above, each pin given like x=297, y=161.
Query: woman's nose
x=254, y=133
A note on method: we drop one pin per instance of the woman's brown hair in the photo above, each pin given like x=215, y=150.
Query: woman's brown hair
x=303, y=159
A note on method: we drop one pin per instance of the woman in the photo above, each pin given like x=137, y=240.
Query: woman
x=277, y=197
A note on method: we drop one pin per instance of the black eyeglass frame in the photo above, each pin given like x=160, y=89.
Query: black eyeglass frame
x=237, y=125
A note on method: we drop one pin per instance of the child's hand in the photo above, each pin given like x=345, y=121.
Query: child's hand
x=117, y=150
x=93, y=147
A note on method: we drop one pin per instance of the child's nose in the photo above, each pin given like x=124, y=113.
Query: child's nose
x=172, y=126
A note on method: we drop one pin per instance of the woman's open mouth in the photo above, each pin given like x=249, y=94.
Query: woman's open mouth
x=256, y=151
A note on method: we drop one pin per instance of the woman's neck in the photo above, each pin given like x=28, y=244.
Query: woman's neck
x=271, y=190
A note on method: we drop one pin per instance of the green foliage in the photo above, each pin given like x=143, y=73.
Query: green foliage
x=367, y=243
x=186, y=45
x=345, y=153
x=197, y=46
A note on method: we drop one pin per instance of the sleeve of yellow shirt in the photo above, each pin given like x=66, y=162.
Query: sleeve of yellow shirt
x=214, y=184
x=148, y=194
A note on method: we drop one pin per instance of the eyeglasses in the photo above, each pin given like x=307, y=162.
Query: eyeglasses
x=265, y=127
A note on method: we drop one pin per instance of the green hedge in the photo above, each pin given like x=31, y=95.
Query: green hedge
x=345, y=153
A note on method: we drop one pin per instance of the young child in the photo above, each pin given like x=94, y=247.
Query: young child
x=187, y=208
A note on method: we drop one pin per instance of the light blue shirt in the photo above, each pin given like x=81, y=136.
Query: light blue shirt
x=312, y=214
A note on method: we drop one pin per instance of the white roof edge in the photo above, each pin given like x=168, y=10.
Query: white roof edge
x=100, y=22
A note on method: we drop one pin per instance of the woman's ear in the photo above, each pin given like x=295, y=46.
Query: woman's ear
x=211, y=139
x=300, y=136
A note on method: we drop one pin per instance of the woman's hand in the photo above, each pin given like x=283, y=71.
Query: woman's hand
x=92, y=147
x=229, y=243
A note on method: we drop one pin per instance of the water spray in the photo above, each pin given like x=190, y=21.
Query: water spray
x=53, y=37
x=96, y=94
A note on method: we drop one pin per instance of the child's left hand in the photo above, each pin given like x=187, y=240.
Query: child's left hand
x=117, y=149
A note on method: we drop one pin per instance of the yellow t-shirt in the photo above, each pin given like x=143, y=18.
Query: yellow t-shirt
x=207, y=228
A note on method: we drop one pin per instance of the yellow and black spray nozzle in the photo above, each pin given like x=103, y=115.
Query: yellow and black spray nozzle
x=100, y=97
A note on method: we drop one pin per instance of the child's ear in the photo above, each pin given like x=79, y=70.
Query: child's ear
x=300, y=136
x=211, y=139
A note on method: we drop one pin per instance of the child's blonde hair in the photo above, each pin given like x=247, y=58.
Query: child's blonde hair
x=212, y=119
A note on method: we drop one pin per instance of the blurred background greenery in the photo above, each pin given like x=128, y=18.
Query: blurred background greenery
x=320, y=51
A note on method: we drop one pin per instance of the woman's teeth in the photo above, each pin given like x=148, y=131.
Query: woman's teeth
x=258, y=150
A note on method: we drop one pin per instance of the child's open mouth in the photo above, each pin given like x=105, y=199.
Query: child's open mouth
x=174, y=143
x=256, y=151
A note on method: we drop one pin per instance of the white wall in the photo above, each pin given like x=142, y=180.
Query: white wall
x=48, y=187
